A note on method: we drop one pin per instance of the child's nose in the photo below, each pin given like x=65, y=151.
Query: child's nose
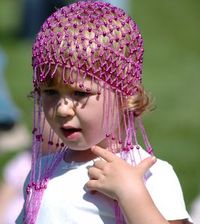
x=65, y=108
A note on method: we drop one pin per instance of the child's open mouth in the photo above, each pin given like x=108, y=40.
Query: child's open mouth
x=71, y=133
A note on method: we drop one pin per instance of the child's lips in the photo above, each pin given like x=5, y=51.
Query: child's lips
x=71, y=133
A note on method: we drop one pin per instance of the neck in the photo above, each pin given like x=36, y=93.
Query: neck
x=79, y=156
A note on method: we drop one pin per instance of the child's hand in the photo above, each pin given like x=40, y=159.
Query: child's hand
x=116, y=178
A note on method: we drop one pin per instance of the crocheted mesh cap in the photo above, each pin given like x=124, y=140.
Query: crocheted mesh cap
x=94, y=38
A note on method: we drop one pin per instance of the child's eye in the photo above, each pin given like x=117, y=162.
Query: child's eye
x=81, y=94
x=50, y=92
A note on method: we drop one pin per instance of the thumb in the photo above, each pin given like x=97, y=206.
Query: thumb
x=146, y=164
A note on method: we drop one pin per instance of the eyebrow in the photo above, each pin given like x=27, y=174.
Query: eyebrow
x=53, y=83
x=49, y=82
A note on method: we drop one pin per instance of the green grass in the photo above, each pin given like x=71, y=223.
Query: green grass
x=20, y=76
x=171, y=73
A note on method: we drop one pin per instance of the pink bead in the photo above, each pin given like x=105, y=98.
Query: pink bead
x=81, y=86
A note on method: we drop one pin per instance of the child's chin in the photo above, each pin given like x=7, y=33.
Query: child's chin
x=74, y=147
x=79, y=148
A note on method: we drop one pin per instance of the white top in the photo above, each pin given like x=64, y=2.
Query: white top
x=67, y=201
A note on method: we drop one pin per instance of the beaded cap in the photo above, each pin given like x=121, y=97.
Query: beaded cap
x=95, y=38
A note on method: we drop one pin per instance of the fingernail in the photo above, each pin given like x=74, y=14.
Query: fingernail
x=93, y=147
x=153, y=159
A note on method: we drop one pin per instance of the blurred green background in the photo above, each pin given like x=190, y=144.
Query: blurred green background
x=171, y=73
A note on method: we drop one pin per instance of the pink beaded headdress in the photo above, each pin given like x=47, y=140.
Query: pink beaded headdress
x=98, y=41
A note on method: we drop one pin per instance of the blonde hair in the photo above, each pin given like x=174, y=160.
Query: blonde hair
x=140, y=102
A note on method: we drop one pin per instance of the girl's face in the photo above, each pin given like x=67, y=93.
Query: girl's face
x=75, y=114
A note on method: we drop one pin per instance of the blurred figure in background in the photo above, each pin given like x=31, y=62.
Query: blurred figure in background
x=123, y=4
x=11, y=195
x=13, y=134
x=35, y=12
x=9, y=114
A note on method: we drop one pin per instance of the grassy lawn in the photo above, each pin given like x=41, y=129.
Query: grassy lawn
x=171, y=73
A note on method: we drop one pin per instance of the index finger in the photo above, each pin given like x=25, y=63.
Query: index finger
x=103, y=153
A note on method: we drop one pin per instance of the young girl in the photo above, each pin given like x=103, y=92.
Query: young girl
x=87, y=62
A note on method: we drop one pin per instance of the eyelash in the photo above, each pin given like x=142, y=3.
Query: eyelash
x=81, y=94
x=52, y=92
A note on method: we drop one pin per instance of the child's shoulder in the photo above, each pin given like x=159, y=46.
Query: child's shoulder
x=165, y=189
x=161, y=167
x=161, y=171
